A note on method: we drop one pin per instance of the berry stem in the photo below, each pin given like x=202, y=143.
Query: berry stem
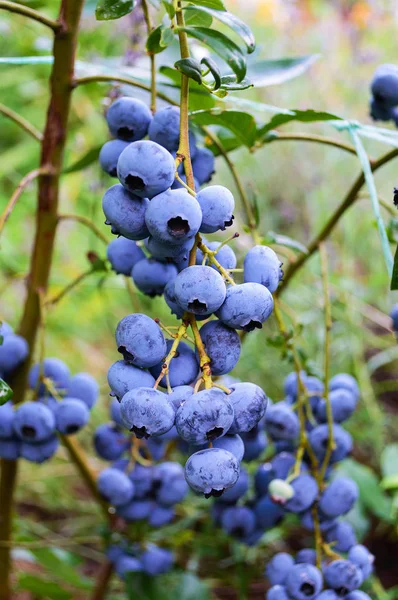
x=204, y=360
x=87, y=222
x=21, y=121
x=68, y=288
x=148, y=21
x=212, y=259
x=173, y=351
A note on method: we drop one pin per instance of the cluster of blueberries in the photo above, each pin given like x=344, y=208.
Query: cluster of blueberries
x=131, y=558
x=332, y=498
x=30, y=429
x=394, y=317
x=14, y=350
x=384, y=88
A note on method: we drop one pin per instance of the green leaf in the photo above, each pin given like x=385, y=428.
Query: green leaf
x=159, y=39
x=216, y=4
x=242, y=124
x=304, y=116
x=389, y=460
x=43, y=588
x=191, y=68
x=166, y=37
x=370, y=492
x=221, y=45
x=394, y=276
x=5, y=392
x=59, y=562
x=191, y=587
x=392, y=230
x=214, y=70
x=284, y=240
x=390, y=482
x=195, y=18
x=107, y=10
x=85, y=161
x=231, y=21
x=229, y=82
x=273, y=72
x=169, y=6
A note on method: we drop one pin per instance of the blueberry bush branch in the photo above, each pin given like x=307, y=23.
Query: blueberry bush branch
x=21, y=121
x=32, y=14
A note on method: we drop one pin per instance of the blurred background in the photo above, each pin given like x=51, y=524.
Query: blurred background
x=297, y=187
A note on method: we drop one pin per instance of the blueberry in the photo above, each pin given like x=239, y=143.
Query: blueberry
x=315, y=390
x=171, y=301
x=328, y=595
x=7, y=415
x=384, y=85
x=136, y=510
x=204, y=417
x=123, y=377
x=379, y=111
x=109, y=155
x=262, y=478
x=169, y=252
x=246, y=306
x=184, y=367
x=305, y=492
x=357, y=595
x=123, y=254
x=238, y=490
x=238, y=521
x=34, y=422
x=255, y=446
x=140, y=340
x=115, y=414
x=346, y=382
x=173, y=217
x=84, y=387
x=199, y=289
x=156, y=561
x=13, y=351
x=115, y=486
x=281, y=423
x=360, y=556
x=151, y=276
x=339, y=497
x=342, y=403
x=277, y=592
x=165, y=128
x=232, y=443
x=128, y=119
x=145, y=169
x=10, y=448
x=278, y=568
x=343, y=576
x=109, y=442
x=319, y=437
x=147, y=412
x=307, y=521
x=306, y=555
x=303, y=582
x=143, y=479
x=173, y=487
x=225, y=256
x=268, y=514
x=161, y=516
x=41, y=451
x=261, y=265
x=125, y=213
x=342, y=536
x=177, y=185
x=53, y=369
x=249, y=402
x=156, y=447
x=217, y=204
x=180, y=394
x=282, y=464
x=71, y=416
x=212, y=471
x=222, y=346
x=290, y=385
x=127, y=564
x=203, y=165
x=5, y=329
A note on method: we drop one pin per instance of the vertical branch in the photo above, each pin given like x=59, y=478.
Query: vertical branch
x=52, y=151
x=152, y=58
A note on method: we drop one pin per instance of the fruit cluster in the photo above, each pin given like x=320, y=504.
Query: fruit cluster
x=61, y=405
x=384, y=88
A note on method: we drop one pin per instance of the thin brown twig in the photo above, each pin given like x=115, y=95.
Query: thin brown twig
x=84, y=221
x=30, y=13
x=21, y=121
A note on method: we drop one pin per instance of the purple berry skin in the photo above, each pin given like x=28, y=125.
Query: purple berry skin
x=232, y=443
x=199, y=289
x=360, y=556
x=184, y=367
x=306, y=555
x=278, y=568
x=109, y=442
x=145, y=169
x=39, y=452
x=109, y=155
x=161, y=515
x=247, y=306
x=173, y=217
x=128, y=119
x=343, y=404
x=115, y=486
x=238, y=521
x=262, y=265
x=33, y=422
x=318, y=439
x=147, y=412
x=303, y=582
x=342, y=536
x=225, y=256
x=173, y=487
x=254, y=446
x=123, y=254
x=7, y=415
x=305, y=492
x=125, y=213
x=156, y=561
x=281, y=423
x=212, y=471
x=151, y=276
x=84, y=387
x=339, y=497
x=14, y=350
x=180, y=394
x=277, y=592
x=166, y=251
x=222, y=346
x=268, y=514
x=171, y=300
x=249, y=402
x=357, y=595
x=343, y=576
x=384, y=85
x=71, y=416
x=204, y=417
x=10, y=448
x=140, y=340
x=127, y=564
x=165, y=128
x=239, y=489
x=394, y=317
x=136, y=510
x=203, y=165
x=54, y=369
x=217, y=204
x=124, y=377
